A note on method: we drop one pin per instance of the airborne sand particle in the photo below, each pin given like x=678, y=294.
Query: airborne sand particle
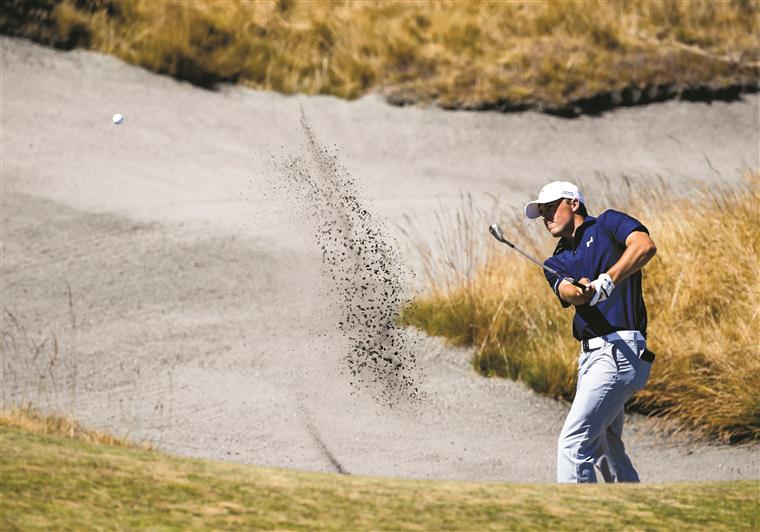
x=363, y=268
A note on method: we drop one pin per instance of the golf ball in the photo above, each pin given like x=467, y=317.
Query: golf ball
x=118, y=118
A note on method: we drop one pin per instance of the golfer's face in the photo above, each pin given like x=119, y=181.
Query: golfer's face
x=557, y=215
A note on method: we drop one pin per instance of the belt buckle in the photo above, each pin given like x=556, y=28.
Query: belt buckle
x=584, y=345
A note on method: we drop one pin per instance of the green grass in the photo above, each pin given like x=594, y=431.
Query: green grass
x=54, y=482
x=545, y=55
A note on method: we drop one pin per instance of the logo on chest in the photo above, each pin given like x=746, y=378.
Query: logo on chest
x=590, y=241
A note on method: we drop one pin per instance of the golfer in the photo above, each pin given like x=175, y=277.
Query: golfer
x=606, y=255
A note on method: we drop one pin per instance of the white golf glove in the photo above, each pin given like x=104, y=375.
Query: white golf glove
x=603, y=287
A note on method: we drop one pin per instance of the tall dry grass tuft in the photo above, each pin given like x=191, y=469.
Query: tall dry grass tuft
x=704, y=300
x=459, y=54
x=701, y=292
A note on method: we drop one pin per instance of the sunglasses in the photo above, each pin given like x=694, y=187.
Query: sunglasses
x=547, y=209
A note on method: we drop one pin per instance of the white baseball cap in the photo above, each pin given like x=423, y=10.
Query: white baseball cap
x=552, y=192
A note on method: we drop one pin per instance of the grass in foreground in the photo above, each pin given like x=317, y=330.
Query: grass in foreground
x=701, y=290
x=458, y=54
x=62, y=483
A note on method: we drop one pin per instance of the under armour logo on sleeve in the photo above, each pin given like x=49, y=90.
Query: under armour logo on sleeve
x=590, y=240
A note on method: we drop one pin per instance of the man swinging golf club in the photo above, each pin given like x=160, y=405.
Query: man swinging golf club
x=610, y=323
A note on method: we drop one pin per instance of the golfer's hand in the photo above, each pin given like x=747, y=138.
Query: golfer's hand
x=603, y=287
x=574, y=295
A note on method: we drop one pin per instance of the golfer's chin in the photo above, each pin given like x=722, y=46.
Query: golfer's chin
x=554, y=229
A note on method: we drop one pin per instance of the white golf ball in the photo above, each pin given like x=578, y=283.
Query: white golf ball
x=118, y=118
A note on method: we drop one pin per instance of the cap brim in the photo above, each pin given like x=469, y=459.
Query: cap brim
x=531, y=210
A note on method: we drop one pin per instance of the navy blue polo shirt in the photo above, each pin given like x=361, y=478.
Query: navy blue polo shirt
x=597, y=245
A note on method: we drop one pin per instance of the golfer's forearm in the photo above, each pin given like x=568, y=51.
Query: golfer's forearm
x=571, y=293
x=639, y=250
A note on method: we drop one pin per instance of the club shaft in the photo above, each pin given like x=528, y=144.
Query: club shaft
x=499, y=236
x=535, y=261
x=544, y=266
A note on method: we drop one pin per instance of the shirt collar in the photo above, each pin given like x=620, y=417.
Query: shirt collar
x=566, y=244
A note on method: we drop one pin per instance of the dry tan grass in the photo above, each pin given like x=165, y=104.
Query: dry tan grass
x=704, y=293
x=701, y=292
x=32, y=420
x=470, y=54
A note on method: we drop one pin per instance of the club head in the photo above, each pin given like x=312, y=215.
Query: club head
x=496, y=232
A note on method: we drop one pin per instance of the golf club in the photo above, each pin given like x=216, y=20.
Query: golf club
x=498, y=235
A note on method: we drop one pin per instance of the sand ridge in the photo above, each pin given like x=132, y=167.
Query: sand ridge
x=189, y=311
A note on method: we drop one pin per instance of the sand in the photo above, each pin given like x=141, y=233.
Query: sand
x=164, y=278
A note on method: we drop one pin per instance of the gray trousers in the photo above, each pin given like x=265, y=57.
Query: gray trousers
x=609, y=373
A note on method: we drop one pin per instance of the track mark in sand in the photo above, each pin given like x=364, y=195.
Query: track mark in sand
x=314, y=433
x=363, y=267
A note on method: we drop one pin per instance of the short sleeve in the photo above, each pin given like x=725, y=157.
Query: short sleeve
x=554, y=280
x=619, y=225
